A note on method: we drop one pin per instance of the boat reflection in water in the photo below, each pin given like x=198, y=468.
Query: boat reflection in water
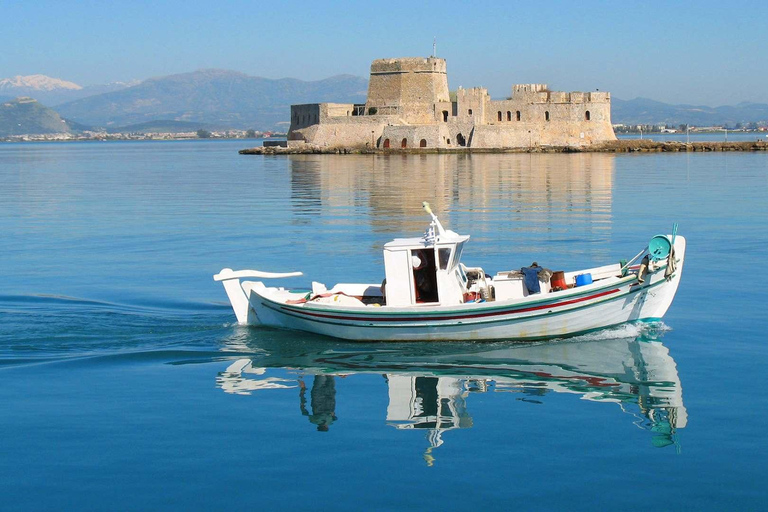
x=430, y=384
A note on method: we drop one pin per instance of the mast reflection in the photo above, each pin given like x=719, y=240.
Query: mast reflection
x=429, y=385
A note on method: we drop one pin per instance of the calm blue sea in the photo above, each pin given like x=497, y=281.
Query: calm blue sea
x=126, y=385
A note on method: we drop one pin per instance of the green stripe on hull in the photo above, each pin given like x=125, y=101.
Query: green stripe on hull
x=362, y=324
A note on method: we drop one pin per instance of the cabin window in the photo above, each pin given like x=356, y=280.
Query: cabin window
x=587, y=116
x=444, y=256
x=499, y=115
x=546, y=115
x=509, y=115
x=423, y=143
x=457, y=254
x=518, y=115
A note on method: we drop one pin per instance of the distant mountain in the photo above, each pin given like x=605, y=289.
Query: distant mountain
x=53, y=91
x=213, y=96
x=26, y=116
x=645, y=111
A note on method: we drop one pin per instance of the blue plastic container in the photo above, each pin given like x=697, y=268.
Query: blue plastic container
x=583, y=279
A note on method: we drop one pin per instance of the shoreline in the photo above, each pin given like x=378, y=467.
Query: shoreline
x=618, y=146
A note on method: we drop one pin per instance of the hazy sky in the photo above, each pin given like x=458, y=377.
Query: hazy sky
x=701, y=52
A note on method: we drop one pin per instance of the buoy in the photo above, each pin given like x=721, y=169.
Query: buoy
x=659, y=247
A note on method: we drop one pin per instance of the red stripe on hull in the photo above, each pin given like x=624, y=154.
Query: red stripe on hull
x=454, y=317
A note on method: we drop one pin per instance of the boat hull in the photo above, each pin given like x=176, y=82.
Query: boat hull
x=599, y=305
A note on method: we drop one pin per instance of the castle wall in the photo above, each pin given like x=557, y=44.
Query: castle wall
x=471, y=105
x=342, y=131
x=304, y=116
x=431, y=136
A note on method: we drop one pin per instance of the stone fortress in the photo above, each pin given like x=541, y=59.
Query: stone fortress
x=409, y=106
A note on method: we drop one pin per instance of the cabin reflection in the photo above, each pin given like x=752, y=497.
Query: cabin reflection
x=429, y=386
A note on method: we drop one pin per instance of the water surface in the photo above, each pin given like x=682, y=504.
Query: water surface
x=125, y=383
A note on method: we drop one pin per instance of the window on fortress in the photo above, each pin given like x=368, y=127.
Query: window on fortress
x=499, y=115
x=518, y=115
x=469, y=112
x=445, y=116
x=423, y=143
x=546, y=115
x=509, y=115
x=587, y=116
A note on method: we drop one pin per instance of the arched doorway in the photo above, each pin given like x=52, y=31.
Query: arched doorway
x=460, y=140
x=423, y=143
x=404, y=143
x=386, y=143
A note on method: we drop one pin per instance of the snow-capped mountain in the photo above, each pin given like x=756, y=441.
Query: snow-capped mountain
x=54, y=91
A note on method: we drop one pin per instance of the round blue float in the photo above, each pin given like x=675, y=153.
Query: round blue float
x=659, y=247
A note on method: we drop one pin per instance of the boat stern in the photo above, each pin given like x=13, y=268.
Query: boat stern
x=237, y=297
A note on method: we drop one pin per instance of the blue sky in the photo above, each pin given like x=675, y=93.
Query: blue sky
x=700, y=52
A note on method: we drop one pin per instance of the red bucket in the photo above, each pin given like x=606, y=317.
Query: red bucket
x=558, y=280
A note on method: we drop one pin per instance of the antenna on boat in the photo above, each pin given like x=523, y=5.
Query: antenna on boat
x=435, y=221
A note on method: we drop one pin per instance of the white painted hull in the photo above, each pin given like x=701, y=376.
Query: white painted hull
x=605, y=303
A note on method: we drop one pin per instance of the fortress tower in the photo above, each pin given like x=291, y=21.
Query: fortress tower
x=408, y=87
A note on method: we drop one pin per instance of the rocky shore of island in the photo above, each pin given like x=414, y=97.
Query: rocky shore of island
x=618, y=146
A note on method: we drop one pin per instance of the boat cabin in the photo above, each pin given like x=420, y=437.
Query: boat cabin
x=425, y=270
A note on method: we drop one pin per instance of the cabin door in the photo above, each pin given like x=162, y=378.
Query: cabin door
x=424, y=275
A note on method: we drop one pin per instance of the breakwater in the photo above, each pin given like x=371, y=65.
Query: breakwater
x=618, y=146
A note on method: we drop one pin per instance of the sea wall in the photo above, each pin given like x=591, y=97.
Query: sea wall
x=618, y=146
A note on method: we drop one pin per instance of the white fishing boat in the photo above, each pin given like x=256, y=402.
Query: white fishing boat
x=429, y=294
